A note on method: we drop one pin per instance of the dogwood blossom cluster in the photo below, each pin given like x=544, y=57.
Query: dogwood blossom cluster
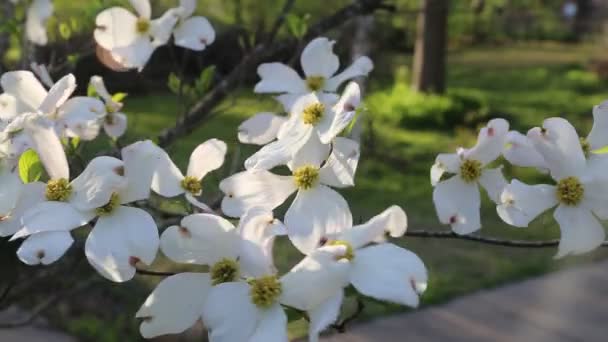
x=575, y=165
x=127, y=40
x=241, y=296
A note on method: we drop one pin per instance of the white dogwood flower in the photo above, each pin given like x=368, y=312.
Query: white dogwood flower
x=192, y=32
x=313, y=120
x=35, y=23
x=169, y=181
x=130, y=38
x=15, y=199
x=317, y=209
x=204, y=239
x=457, y=199
x=520, y=151
x=123, y=236
x=580, y=193
x=114, y=121
x=320, y=66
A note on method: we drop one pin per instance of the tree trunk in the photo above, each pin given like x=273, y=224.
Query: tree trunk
x=361, y=46
x=582, y=20
x=430, y=50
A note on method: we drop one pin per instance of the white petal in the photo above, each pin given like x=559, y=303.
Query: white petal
x=312, y=153
x=339, y=121
x=598, y=137
x=317, y=213
x=521, y=152
x=142, y=7
x=51, y=216
x=257, y=230
x=31, y=195
x=361, y=67
x=391, y=273
x=493, y=181
x=35, y=25
x=201, y=205
x=318, y=58
x=161, y=28
x=392, y=221
x=521, y=203
x=490, y=142
x=272, y=326
x=316, y=279
x=187, y=8
x=581, y=231
x=96, y=184
x=281, y=151
x=339, y=169
x=174, y=305
x=135, y=55
x=100, y=88
x=49, y=148
x=445, y=162
x=42, y=73
x=260, y=129
x=119, y=240
x=350, y=99
x=458, y=203
x=195, y=34
x=560, y=147
x=9, y=107
x=58, y=94
x=202, y=239
x=115, y=27
x=140, y=159
x=81, y=116
x=167, y=177
x=279, y=78
x=246, y=190
x=206, y=157
x=25, y=87
x=229, y=313
x=11, y=188
x=115, y=125
x=325, y=314
x=44, y=248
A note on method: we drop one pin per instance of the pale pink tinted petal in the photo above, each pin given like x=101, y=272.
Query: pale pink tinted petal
x=490, y=142
x=195, y=34
x=44, y=248
x=458, y=203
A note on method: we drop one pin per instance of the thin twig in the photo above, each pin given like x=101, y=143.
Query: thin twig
x=154, y=273
x=422, y=233
x=280, y=20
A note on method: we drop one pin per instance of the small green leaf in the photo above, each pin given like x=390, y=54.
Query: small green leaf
x=174, y=83
x=119, y=97
x=602, y=150
x=65, y=31
x=91, y=91
x=30, y=167
x=204, y=81
x=75, y=142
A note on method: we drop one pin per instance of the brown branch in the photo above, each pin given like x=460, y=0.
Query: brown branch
x=202, y=110
x=487, y=240
x=280, y=20
x=154, y=273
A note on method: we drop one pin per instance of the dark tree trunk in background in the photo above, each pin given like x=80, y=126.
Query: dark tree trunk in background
x=361, y=46
x=431, y=39
x=582, y=21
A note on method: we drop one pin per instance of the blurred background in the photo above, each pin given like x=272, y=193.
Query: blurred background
x=442, y=69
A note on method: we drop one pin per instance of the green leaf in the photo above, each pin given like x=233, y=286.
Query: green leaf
x=204, y=81
x=75, y=142
x=174, y=83
x=297, y=25
x=119, y=97
x=30, y=167
x=65, y=31
x=602, y=150
x=91, y=92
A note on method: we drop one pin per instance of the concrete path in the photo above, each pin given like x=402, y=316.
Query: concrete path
x=38, y=331
x=570, y=305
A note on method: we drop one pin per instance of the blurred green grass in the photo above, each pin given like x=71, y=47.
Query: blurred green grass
x=528, y=83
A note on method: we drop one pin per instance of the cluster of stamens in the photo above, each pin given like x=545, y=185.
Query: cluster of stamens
x=265, y=291
x=142, y=26
x=58, y=190
x=315, y=83
x=470, y=170
x=224, y=271
x=313, y=113
x=350, y=251
x=570, y=191
x=192, y=185
x=109, y=207
x=306, y=176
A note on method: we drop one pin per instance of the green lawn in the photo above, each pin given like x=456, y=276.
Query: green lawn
x=525, y=83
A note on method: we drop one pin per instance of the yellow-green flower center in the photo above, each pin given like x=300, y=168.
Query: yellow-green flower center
x=192, y=185
x=109, y=207
x=58, y=190
x=350, y=251
x=470, y=170
x=306, y=176
x=224, y=271
x=110, y=109
x=313, y=113
x=315, y=83
x=142, y=26
x=586, y=146
x=265, y=291
x=570, y=191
